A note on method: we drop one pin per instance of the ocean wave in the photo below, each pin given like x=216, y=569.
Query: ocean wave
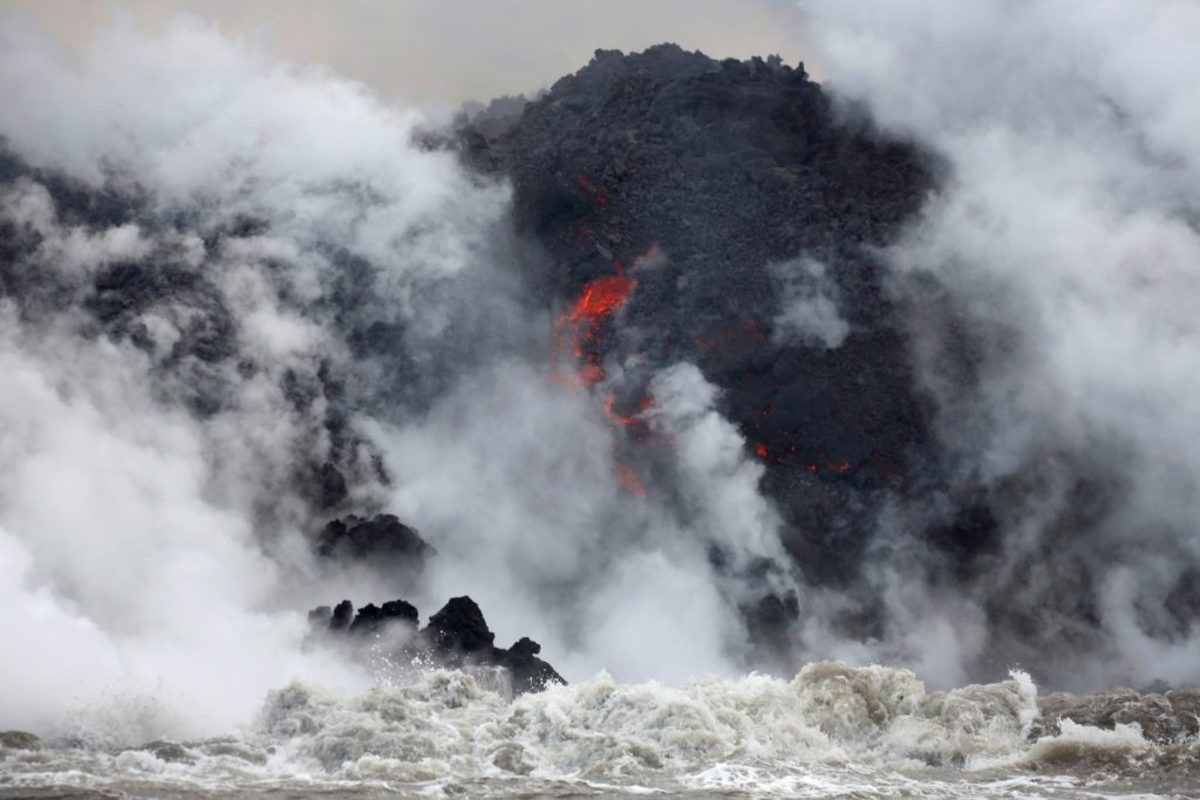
x=832, y=728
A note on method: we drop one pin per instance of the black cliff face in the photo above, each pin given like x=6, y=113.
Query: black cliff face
x=726, y=189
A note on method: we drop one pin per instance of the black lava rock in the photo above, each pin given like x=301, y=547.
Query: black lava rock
x=372, y=618
x=459, y=628
x=529, y=673
x=457, y=636
x=382, y=540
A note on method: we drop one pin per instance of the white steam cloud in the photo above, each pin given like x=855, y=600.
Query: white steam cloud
x=809, y=300
x=1068, y=230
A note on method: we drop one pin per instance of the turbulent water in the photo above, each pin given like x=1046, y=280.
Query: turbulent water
x=833, y=730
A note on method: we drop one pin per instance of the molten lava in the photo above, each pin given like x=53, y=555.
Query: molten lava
x=582, y=328
x=603, y=296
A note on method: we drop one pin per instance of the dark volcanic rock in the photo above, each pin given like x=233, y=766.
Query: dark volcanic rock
x=459, y=628
x=342, y=615
x=728, y=190
x=172, y=305
x=457, y=636
x=529, y=673
x=371, y=617
x=382, y=540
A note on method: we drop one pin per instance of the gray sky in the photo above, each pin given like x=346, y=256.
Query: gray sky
x=440, y=52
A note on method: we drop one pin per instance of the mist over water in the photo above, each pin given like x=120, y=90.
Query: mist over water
x=155, y=541
x=1065, y=234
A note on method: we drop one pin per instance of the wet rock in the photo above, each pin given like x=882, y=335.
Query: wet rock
x=1161, y=718
x=343, y=614
x=371, y=618
x=459, y=628
x=456, y=637
x=172, y=752
x=20, y=740
x=1185, y=703
x=529, y=673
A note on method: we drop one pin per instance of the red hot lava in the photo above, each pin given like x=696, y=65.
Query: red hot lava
x=581, y=331
x=581, y=328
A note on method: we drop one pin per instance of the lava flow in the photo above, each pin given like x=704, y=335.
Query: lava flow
x=582, y=328
x=581, y=331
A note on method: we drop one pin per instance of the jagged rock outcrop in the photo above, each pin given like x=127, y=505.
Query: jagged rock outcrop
x=456, y=636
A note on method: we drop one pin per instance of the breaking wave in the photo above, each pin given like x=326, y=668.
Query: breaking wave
x=865, y=731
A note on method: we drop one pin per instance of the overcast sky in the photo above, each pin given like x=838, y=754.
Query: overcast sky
x=441, y=52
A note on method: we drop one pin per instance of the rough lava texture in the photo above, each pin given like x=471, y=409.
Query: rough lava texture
x=736, y=193
x=457, y=636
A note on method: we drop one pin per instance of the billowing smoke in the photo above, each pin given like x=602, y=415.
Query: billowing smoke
x=1053, y=278
x=243, y=297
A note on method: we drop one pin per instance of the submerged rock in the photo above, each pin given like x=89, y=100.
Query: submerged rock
x=1161, y=717
x=20, y=740
x=171, y=752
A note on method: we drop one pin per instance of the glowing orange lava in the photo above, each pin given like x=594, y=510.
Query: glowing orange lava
x=581, y=331
x=581, y=328
x=602, y=296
